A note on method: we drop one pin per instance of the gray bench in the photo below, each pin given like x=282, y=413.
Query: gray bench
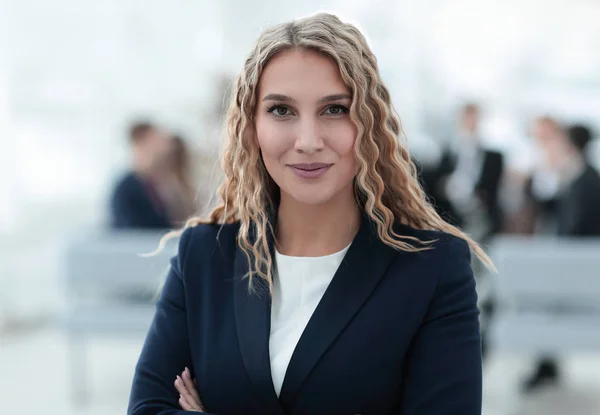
x=549, y=294
x=111, y=290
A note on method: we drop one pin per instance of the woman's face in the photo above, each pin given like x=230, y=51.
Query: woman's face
x=304, y=129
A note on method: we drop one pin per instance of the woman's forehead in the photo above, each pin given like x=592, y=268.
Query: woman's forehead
x=301, y=74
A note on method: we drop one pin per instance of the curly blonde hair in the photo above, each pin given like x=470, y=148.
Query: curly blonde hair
x=386, y=186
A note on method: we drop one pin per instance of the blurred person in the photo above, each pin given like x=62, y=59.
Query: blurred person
x=579, y=200
x=577, y=210
x=136, y=202
x=175, y=184
x=320, y=205
x=468, y=179
x=542, y=187
x=533, y=181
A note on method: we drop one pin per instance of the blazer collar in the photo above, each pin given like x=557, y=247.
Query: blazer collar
x=253, y=324
x=363, y=266
x=361, y=270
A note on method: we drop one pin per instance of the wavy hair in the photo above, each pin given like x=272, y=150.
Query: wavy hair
x=386, y=186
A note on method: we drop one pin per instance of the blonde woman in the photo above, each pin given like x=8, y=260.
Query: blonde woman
x=324, y=283
x=176, y=186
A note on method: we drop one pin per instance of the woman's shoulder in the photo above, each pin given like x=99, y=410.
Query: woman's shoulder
x=442, y=244
x=204, y=231
x=209, y=238
x=441, y=237
x=445, y=263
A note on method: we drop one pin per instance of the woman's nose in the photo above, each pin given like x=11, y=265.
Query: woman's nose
x=309, y=139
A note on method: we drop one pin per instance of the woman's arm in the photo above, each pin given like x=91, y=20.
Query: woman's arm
x=166, y=350
x=443, y=369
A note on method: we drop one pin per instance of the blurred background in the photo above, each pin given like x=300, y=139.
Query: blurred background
x=500, y=104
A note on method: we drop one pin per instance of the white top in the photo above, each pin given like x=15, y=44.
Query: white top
x=298, y=288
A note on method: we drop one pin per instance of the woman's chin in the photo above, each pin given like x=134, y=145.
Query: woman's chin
x=314, y=197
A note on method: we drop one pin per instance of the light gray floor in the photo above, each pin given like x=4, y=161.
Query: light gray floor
x=33, y=379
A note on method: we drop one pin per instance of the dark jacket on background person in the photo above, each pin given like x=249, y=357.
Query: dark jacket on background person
x=135, y=204
x=487, y=187
x=578, y=208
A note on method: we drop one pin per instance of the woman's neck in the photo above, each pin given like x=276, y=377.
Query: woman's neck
x=316, y=230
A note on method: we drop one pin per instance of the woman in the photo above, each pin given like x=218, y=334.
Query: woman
x=324, y=283
x=176, y=186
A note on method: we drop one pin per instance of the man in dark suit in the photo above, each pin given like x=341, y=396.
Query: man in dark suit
x=577, y=210
x=468, y=174
x=135, y=202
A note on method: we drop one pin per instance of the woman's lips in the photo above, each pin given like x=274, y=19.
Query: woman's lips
x=310, y=170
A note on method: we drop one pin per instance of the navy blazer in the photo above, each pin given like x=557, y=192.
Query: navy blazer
x=395, y=333
x=132, y=206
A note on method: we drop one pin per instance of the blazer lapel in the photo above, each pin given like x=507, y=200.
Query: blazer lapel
x=365, y=263
x=253, y=324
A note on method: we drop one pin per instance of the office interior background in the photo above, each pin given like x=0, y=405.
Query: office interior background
x=74, y=74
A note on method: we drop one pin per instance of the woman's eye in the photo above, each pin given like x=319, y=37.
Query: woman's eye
x=279, y=111
x=336, y=110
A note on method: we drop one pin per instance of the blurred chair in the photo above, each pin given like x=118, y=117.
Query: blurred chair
x=111, y=290
x=548, y=291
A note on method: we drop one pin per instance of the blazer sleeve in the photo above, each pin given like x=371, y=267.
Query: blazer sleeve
x=166, y=351
x=443, y=367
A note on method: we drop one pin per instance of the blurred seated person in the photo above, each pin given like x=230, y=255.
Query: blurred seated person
x=559, y=183
x=577, y=210
x=579, y=204
x=136, y=202
x=542, y=187
x=467, y=180
x=175, y=184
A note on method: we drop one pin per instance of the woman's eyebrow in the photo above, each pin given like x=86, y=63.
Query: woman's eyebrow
x=334, y=97
x=277, y=97
x=328, y=98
